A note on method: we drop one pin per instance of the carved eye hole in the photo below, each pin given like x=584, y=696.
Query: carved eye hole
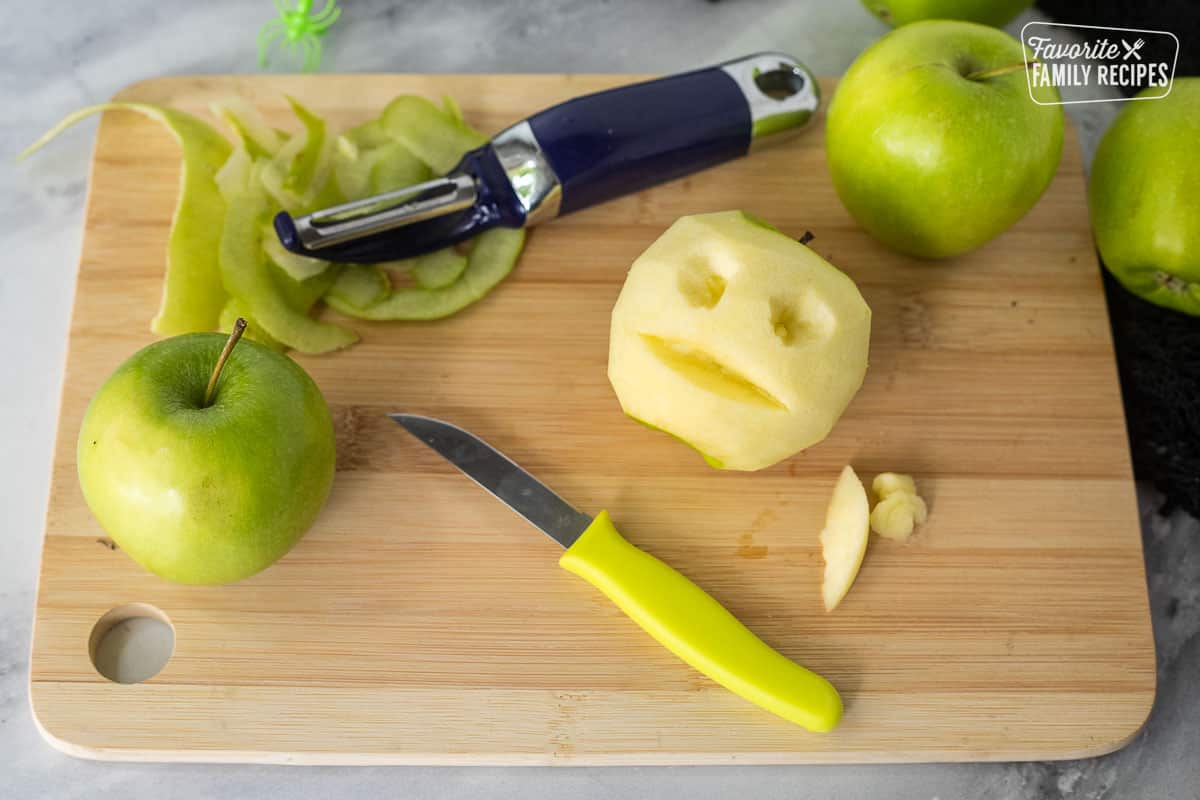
x=700, y=285
x=799, y=322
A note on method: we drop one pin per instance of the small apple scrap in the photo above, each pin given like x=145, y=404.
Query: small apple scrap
x=900, y=509
x=849, y=521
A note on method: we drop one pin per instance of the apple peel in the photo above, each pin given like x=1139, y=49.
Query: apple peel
x=258, y=138
x=298, y=172
x=438, y=269
x=223, y=260
x=436, y=137
x=492, y=257
x=361, y=285
x=361, y=170
x=298, y=267
x=246, y=273
x=234, y=310
x=193, y=295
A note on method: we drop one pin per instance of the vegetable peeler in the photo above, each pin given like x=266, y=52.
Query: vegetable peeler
x=571, y=156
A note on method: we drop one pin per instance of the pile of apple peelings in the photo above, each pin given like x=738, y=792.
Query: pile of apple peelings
x=224, y=260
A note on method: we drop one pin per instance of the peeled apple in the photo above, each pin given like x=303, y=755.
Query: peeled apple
x=738, y=340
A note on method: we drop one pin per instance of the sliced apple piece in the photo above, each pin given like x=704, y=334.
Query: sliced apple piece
x=844, y=538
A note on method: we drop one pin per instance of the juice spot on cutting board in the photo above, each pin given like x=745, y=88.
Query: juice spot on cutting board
x=748, y=549
x=746, y=546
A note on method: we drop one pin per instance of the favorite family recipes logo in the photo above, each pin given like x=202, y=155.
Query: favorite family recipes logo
x=1085, y=57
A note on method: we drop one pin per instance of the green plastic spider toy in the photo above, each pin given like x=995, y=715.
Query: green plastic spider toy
x=298, y=27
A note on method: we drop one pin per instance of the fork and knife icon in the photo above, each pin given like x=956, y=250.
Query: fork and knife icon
x=1132, y=49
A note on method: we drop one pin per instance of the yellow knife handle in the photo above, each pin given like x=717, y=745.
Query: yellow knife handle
x=691, y=624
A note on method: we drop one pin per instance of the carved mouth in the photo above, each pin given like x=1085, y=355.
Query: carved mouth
x=706, y=372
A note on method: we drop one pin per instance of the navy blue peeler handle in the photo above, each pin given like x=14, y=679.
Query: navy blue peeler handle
x=571, y=156
x=623, y=140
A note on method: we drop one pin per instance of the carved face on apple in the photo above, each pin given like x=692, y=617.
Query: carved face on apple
x=738, y=340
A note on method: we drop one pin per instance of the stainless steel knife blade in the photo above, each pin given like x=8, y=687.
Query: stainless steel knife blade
x=499, y=475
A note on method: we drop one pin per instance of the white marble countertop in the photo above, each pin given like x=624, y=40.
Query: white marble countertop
x=55, y=57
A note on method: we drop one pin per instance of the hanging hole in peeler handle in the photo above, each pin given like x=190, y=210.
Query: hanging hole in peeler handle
x=780, y=83
x=779, y=90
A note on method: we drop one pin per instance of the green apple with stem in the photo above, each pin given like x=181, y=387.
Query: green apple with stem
x=997, y=13
x=1144, y=195
x=933, y=141
x=206, y=460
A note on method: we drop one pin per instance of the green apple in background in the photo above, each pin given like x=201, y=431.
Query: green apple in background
x=986, y=12
x=933, y=142
x=203, y=486
x=1144, y=195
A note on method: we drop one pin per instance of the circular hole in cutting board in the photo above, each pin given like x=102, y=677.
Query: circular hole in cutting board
x=131, y=643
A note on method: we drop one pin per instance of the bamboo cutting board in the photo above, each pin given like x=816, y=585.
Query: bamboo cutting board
x=422, y=622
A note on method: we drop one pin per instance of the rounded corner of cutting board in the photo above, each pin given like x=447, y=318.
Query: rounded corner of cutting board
x=1139, y=718
x=60, y=741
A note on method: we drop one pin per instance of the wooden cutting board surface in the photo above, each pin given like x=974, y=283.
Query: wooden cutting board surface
x=420, y=621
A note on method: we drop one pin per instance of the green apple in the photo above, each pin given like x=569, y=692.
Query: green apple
x=933, y=141
x=1145, y=197
x=738, y=340
x=997, y=13
x=203, y=485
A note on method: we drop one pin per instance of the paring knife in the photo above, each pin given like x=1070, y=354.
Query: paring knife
x=571, y=156
x=679, y=614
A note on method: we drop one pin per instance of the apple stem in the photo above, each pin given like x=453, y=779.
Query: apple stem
x=239, y=328
x=807, y=237
x=984, y=74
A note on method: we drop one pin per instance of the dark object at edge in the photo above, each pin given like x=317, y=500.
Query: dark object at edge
x=1158, y=350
